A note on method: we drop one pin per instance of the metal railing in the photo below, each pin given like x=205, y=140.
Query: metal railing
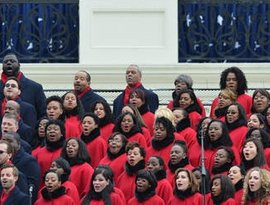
x=165, y=94
x=223, y=31
x=40, y=31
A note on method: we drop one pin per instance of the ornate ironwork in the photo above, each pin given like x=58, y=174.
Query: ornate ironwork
x=223, y=31
x=43, y=31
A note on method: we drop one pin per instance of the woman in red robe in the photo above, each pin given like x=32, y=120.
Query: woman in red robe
x=54, y=141
x=145, y=193
x=137, y=98
x=116, y=154
x=164, y=189
x=102, y=190
x=186, y=189
x=223, y=160
x=75, y=152
x=95, y=144
x=237, y=175
x=236, y=122
x=128, y=125
x=163, y=139
x=222, y=191
x=263, y=136
x=187, y=100
x=106, y=121
x=256, y=187
x=73, y=112
x=54, y=192
x=178, y=159
x=62, y=167
x=135, y=162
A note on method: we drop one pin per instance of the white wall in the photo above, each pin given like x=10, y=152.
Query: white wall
x=125, y=31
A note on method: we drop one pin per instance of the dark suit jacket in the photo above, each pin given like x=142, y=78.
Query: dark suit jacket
x=28, y=165
x=17, y=197
x=88, y=98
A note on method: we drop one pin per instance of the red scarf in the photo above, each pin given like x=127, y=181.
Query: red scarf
x=83, y=92
x=4, y=102
x=4, y=77
x=128, y=90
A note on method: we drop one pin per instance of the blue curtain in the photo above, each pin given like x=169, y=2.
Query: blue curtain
x=223, y=31
x=40, y=32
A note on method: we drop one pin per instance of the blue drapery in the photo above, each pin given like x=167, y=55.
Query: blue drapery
x=224, y=31
x=43, y=31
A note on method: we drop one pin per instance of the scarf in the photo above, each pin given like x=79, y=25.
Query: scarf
x=183, y=124
x=160, y=174
x=223, y=168
x=4, y=77
x=183, y=194
x=247, y=164
x=181, y=164
x=194, y=108
x=159, y=144
x=114, y=156
x=134, y=130
x=143, y=196
x=220, y=112
x=75, y=161
x=144, y=108
x=80, y=95
x=236, y=124
x=49, y=196
x=91, y=137
x=72, y=112
x=105, y=120
x=52, y=146
x=132, y=170
x=239, y=185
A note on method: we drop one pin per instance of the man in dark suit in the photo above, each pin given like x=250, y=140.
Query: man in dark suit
x=31, y=91
x=133, y=79
x=25, y=162
x=12, y=91
x=11, y=194
x=82, y=89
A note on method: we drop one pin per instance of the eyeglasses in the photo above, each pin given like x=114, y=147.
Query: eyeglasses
x=115, y=140
x=232, y=112
x=1, y=151
x=7, y=85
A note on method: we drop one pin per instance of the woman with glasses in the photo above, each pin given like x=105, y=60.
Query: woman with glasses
x=236, y=122
x=116, y=154
x=260, y=101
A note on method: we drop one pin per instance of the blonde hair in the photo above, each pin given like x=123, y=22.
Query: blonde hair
x=229, y=94
x=264, y=190
x=165, y=112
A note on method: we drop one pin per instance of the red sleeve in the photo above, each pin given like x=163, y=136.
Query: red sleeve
x=213, y=106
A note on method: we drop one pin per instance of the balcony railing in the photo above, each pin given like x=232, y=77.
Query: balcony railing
x=40, y=31
x=224, y=30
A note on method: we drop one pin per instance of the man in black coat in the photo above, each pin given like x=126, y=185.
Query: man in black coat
x=25, y=162
x=133, y=79
x=11, y=194
x=83, y=90
x=31, y=91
